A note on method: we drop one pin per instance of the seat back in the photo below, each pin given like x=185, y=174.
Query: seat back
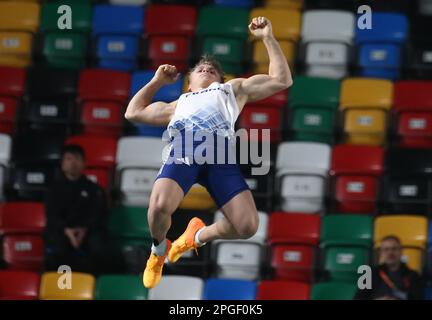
x=19, y=285
x=22, y=217
x=220, y=289
x=82, y=287
x=282, y=290
x=296, y=228
x=120, y=287
x=182, y=23
x=177, y=288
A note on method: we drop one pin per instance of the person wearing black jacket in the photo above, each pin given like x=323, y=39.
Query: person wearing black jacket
x=76, y=217
x=392, y=279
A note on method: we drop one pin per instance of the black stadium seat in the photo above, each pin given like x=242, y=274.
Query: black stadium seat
x=407, y=184
x=50, y=99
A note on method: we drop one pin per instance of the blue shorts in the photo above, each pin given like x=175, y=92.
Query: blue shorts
x=222, y=180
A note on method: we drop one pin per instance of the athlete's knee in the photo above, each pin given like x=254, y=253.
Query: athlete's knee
x=159, y=205
x=248, y=228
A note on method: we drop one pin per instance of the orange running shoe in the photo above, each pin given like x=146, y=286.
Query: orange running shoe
x=186, y=241
x=153, y=270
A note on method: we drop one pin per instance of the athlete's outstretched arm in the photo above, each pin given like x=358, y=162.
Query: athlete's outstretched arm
x=279, y=77
x=140, y=108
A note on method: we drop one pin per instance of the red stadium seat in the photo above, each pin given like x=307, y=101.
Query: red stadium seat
x=23, y=252
x=293, y=238
x=104, y=85
x=283, y=290
x=182, y=20
x=19, y=285
x=262, y=118
x=101, y=177
x=355, y=170
x=169, y=41
x=103, y=95
x=168, y=50
x=413, y=108
x=278, y=100
x=100, y=151
x=12, y=82
x=22, y=218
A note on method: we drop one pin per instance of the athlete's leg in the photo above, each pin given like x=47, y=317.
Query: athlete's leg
x=240, y=221
x=164, y=200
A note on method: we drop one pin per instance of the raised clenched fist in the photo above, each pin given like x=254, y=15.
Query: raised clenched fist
x=166, y=74
x=261, y=27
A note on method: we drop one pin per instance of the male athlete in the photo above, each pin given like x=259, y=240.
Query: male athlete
x=213, y=106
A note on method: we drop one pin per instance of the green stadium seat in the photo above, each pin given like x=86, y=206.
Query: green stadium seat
x=120, y=287
x=346, y=240
x=333, y=291
x=313, y=104
x=66, y=48
x=224, y=40
x=129, y=227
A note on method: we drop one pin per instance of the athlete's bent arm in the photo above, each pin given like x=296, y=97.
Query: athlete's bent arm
x=140, y=108
x=279, y=77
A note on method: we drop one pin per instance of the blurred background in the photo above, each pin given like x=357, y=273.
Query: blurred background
x=351, y=141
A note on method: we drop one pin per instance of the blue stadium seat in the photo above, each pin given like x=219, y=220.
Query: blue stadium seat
x=380, y=61
x=235, y=3
x=428, y=293
x=380, y=47
x=117, y=29
x=218, y=289
x=167, y=93
x=429, y=251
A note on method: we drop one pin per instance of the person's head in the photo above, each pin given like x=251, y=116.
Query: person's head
x=390, y=251
x=204, y=73
x=72, y=161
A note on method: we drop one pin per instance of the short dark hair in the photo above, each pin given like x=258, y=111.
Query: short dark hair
x=392, y=237
x=73, y=149
x=211, y=60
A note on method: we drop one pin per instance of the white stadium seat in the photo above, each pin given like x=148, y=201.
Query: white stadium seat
x=5, y=154
x=177, y=288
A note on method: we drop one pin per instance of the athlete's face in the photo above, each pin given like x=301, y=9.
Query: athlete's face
x=202, y=76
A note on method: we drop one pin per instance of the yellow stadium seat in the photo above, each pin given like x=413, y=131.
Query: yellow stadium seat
x=260, y=55
x=82, y=287
x=364, y=92
x=413, y=258
x=412, y=230
x=197, y=198
x=286, y=23
x=15, y=49
x=365, y=104
x=19, y=16
x=286, y=4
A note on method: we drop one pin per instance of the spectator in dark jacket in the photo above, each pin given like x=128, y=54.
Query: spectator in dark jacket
x=76, y=217
x=392, y=279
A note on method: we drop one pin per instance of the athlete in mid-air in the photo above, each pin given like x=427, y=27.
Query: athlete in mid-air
x=213, y=106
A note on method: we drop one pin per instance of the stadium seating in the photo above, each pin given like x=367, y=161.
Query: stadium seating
x=286, y=28
x=19, y=285
x=169, y=41
x=406, y=183
x=234, y=3
x=346, y=240
x=102, y=95
x=50, y=99
x=136, y=171
x=301, y=170
x=355, y=172
x=190, y=264
x=22, y=218
x=66, y=48
x=5, y=155
x=327, y=36
x=333, y=291
x=12, y=82
x=292, y=238
x=225, y=41
x=413, y=116
x=229, y=289
x=18, y=22
x=120, y=287
x=177, y=288
x=313, y=104
x=241, y=259
x=81, y=286
x=282, y=290
x=380, y=47
x=365, y=104
x=411, y=230
x=288, y=4
x=117, y=30
x=23, y=252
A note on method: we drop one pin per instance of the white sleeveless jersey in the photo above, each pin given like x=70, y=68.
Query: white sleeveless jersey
x=213, y=109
